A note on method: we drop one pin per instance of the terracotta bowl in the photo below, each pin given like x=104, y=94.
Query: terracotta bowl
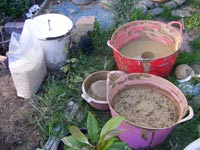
x=93, y=101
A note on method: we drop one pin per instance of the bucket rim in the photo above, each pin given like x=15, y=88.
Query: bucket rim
x=85, y=92
x=153, y=21
x=61, y=29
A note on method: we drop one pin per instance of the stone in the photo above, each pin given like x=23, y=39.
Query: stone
x=14, y=27
x=183, y=71
x=3, y=62
x=179, y=2
x=170, y=4
x=85, y=23
x=181, y=13
x=147, y=3
x=196, y=89
x=142, y=7
x=196, y=68
x=155, y=5
x=186, y=88
x=156, y=11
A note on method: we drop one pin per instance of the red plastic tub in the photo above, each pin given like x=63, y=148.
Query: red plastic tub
x=161, y=33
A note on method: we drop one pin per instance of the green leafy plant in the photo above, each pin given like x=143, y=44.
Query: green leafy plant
x=193, y=22
x=167, y=14
x=70, y=63
x=105, y=140
x=137, y=14
x=122, y=10
x=13, y=8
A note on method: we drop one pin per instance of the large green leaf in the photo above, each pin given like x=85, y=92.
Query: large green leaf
x=108, y=136
x=77, y=134
x=105, y=145
x=93, y=128
x=70, y=141
x=111, y=124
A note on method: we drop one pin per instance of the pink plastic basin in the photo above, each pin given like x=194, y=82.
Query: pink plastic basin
x=138, y=136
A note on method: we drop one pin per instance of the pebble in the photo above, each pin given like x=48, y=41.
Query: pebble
x=186, y=88
x=196, y=89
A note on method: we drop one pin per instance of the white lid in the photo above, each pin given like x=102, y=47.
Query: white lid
x=51, y=25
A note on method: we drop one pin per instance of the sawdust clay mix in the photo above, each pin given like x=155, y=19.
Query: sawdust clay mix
x=146, y=107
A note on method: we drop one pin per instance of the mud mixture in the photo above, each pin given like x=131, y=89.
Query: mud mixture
x=97, y=90
x=146, y=48
x=146, y=107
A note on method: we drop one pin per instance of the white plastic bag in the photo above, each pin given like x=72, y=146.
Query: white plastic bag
x=26, y=62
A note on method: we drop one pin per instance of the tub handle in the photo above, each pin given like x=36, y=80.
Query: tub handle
x=177, y=23
x=121, y=78
x=86, y=98
x=190, y=115
x=110, y=45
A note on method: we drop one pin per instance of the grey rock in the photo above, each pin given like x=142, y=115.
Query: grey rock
x=181, y=13
x=189, y=9
x=196, y=89
x=147, y=3
x=179, y=2
x=196, y=68
x=170, y=4
x=155, y=5
x=142, y=7
x=186, y=88
x=156, y=11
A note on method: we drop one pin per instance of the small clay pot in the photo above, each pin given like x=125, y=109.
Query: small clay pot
x=96, y=100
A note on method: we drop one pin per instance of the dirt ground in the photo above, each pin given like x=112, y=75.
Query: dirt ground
x=17, y=132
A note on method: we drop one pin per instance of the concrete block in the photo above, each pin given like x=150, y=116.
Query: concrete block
x=3, y=62
x=14, y=27
x=85, y=23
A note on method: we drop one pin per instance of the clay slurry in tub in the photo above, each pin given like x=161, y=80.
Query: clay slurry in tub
x=145, y=48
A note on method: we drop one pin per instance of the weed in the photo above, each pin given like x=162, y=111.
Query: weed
x=51, y=106
x=122, y=10
x=193, y=22
x=13, y=8
x=137, y=14
x=167, y=14
x=196, y=44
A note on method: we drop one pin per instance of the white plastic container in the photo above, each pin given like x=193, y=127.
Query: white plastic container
x=53, y=32
x=195, y=145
